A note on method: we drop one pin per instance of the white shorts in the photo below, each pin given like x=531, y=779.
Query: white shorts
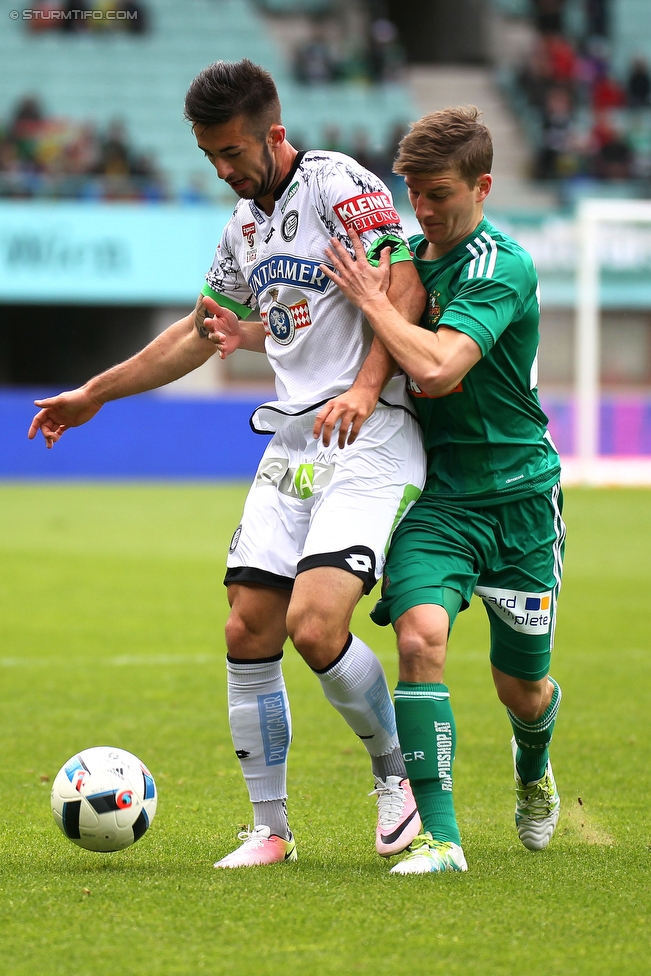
x=312, y=506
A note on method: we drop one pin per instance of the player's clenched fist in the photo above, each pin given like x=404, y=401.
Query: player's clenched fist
x=71, y=409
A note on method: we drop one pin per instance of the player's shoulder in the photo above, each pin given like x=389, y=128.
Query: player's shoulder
x=338, y=168
x=491, y=253
x=512, y=249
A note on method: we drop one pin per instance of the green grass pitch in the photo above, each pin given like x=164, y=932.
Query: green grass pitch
x=111, y=620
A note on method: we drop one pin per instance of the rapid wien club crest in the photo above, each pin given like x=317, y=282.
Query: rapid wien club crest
x=281, y=321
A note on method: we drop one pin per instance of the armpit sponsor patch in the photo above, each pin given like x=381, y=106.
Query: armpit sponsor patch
x=367, y=211
x=415, y=390
x=528, y=613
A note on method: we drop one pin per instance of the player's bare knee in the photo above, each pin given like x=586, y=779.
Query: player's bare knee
x=238, y=635
x=247, y=638
x=316, y=639
x=421, y=651
x=524, y=698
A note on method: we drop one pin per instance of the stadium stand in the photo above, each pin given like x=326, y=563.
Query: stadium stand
x=140, y=78
x=61, y=159
x=583, y=93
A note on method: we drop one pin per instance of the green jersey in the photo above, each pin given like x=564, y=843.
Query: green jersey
x=487, y=440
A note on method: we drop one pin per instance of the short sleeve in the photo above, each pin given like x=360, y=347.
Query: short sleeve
x=350, y=196
x=225, y=282
x=483, y=308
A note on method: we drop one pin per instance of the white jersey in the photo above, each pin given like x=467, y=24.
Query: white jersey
x=316, y=340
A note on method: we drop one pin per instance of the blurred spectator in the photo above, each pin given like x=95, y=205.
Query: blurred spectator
x=562, y=59
x=45, y=16
x=27, y=118
x=591, y=64
x=60, y=158
x=613, y=159
x=148, y=179
x=57, y=157
x=373, y=54
x=549, y=16
x=114, y=159
x=315, y=63
x=607, y=93
x=74, y=21
x=81, y=16
x=579, y=107
x=638, y=84
x=596, y=13
x=557, y=121
x=535, y=76
x=385, y=55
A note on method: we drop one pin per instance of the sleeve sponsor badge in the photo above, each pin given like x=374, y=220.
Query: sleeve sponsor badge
x=248, y=232
x=367, y=211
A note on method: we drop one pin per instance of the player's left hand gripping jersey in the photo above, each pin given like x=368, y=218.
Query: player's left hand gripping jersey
x=316, y=340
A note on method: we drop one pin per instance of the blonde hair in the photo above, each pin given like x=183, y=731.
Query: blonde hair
x=452, y=138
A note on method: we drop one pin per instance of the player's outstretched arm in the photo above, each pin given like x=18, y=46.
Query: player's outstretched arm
x=437, y=361
x=181, y=348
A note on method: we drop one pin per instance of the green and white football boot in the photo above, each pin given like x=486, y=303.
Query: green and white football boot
x=537, y=806
x=425, y=855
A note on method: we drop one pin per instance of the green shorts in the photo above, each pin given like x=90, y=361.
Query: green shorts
x=511, y=555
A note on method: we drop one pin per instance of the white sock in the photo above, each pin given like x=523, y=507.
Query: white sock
x=273, y=814
x=261, y=725
x=356, y=685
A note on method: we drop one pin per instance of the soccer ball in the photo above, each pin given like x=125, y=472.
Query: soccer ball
x=104, y=799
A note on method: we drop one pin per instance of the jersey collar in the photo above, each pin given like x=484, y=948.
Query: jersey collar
x=280, y=189
x=454, y=254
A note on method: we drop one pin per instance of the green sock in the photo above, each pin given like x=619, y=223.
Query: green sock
x=428, y=739
x=533, y=739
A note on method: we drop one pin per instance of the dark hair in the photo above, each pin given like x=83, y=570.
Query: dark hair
x=225, y=90
x=451, y=138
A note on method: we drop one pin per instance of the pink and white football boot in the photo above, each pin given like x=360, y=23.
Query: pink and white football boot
x=259, y=847
x=398, y=821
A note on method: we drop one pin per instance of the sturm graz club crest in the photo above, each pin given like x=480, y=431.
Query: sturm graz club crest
x=235, y=539
x=280, y=320
x=289, y=226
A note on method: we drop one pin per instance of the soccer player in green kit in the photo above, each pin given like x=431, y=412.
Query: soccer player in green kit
x=489, y=518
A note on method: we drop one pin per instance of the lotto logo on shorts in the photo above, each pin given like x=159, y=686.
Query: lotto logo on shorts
x=367, y=211
x=528, y=613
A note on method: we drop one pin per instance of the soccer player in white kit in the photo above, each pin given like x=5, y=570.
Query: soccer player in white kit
x=345, y=461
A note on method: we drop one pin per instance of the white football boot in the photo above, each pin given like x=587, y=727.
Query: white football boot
x=259, y=847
